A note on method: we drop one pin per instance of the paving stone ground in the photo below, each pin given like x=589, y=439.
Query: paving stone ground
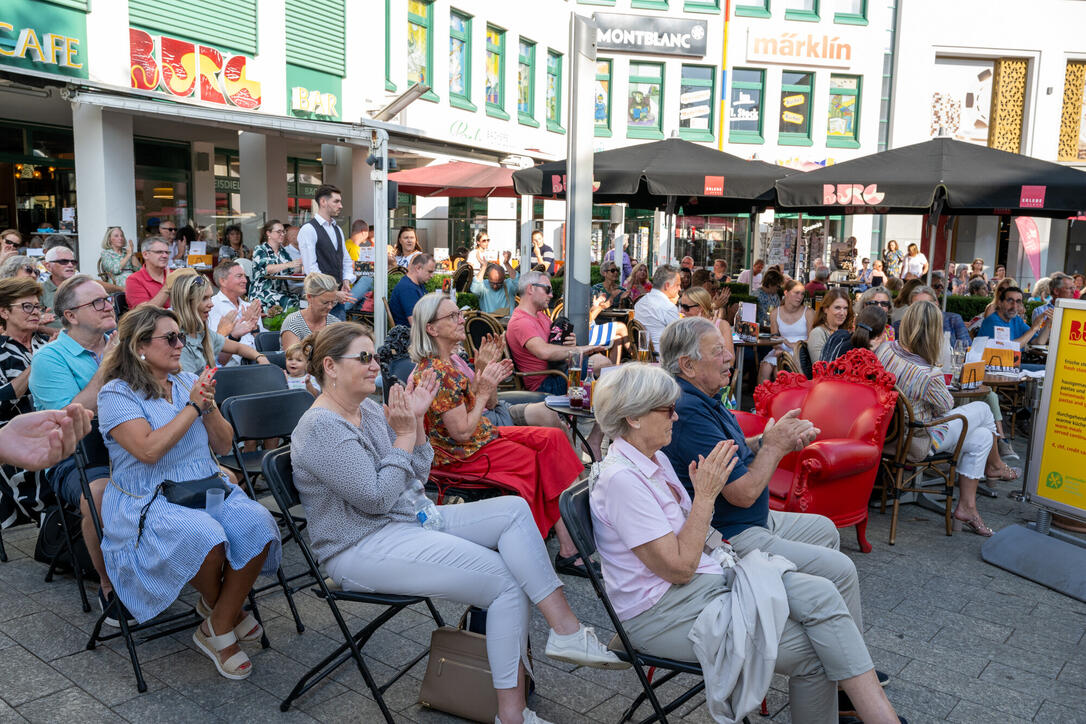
x=962, y=640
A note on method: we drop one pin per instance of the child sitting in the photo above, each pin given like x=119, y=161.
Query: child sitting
x=297, y=377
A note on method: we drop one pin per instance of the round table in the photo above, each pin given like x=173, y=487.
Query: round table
x=571, y=416
x=975, y=393
x=737, y=383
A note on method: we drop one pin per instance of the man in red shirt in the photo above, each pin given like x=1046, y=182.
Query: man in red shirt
x=529, y=341
x=149, y=283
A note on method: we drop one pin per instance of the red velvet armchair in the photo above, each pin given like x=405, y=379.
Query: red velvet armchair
x=851, y=400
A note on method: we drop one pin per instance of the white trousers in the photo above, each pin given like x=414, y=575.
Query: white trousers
x=979, y=438
x=490, y=555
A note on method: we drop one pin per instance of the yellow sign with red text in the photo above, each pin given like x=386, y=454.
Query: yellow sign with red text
x=1062, y=475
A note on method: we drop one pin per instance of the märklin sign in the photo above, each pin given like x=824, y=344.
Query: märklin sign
x=645, y=34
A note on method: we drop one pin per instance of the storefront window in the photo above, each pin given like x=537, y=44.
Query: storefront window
x=745, y=108
x=420, y=49
x=526, y=82
x=795, y=113
x=801, y=10
x=851, y=12
x=602, y=111
x=495, y=72
x=843, y=130
x=696, y=102
x=460, y=60
x=752, y=8
x=554, y=91
x=646, y=89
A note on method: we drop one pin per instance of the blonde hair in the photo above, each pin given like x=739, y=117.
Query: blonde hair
x=701, y=297
x=294, y=350
x=123, y=362
x=921, y=331
x=422, y=344
x=186, y=296
x=105, y=239
x=316, y=284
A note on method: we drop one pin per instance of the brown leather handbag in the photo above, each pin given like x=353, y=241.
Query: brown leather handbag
x=458, y=679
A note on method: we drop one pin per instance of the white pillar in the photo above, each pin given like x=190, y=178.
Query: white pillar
x=501, y=224
x=105, y=177
x=432, y=222
x=203, y=183
x=263, y=182
x=527, y=203
x=361, y=186
x=554, y=217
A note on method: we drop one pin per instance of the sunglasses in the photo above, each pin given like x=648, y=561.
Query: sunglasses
x=100, y=304
x=172, y=338
x=545, y=287
x=363, y=357
x=30, y=270
x=28, y=307
x=670, y=410
x=871, y=303
x=688, y=307
x=610, y=271
x=63, y=261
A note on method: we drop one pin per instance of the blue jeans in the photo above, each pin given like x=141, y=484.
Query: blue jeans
x=339, y=312
x=362, y=286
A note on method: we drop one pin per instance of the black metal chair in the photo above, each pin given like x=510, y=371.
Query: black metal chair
x=462, y=278
x=120, y=303
x=280, y=477
x=267, y=342
x=277, y=357
x=573, y=506
x=163, y=625
x=477, y=325
x=246, y=380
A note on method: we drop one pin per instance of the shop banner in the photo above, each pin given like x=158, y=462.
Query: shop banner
x=313, y=94
x=1061, y=477
x=190, y=70
x=43, y=37
x=648, y=34
x=1031, y=242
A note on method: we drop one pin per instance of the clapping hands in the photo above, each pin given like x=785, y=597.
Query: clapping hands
x=486, y=383
x=421, y=394
x=36, y=440
x=399, y=413
x=490, y=350
x=709, y=474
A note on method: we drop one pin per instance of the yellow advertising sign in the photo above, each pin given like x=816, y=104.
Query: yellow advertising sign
x=1062, y=477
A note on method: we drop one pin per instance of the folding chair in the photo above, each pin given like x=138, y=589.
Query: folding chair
x=267, y=342
x=280, y=477
x=573, y=506
x=262, y=416
x=246, y=380
x=165, y=624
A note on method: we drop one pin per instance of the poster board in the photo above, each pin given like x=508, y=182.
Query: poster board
x=1057, y=477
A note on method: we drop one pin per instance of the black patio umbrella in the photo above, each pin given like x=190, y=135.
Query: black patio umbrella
x=670, y=174
x=938, y=176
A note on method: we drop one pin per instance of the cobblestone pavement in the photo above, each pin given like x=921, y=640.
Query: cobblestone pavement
x=962, y=640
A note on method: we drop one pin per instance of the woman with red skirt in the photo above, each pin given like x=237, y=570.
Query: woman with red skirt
x=537, y=462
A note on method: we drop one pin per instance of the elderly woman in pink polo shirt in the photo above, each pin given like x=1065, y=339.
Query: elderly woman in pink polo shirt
x=650, y=536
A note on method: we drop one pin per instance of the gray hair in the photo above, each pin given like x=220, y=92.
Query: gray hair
x=316, y=284
x=222, y=270
x=683, y=339
x=66, y=294
x=822, y=273
x=978, y=285
x=1059, y=278
x=663, y=275
x=528, y=279
x=922, y=289
x=56, y=240
x=54, y=252
x=420, y=260
x=632, y=390
x=869, y=294
x=146, y=244
x=422, y=344
x=13, y=264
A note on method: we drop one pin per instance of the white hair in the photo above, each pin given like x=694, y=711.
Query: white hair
x=682, y=338
x=631, y=391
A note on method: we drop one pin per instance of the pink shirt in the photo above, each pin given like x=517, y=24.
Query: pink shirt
x=522, y=327
x=632, y=506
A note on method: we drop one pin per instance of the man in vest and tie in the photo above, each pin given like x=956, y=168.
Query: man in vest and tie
x=322, y=245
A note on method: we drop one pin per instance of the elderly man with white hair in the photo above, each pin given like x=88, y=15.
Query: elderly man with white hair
x=659, y=307
x=60, y=261
x=693, y=351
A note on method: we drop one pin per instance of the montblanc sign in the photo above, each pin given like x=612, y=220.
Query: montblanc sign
x=645, y=34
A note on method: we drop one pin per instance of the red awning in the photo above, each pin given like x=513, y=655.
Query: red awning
x=456, y=178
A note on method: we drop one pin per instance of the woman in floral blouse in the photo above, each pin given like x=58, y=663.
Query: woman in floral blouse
x=537, y=463
x=269, y=259
x=893, y=259
x=118, y=256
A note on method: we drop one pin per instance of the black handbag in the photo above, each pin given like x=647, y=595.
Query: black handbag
x=188, y=493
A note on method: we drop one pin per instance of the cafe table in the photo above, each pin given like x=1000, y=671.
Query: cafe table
x=737, y=383
x=571, y=416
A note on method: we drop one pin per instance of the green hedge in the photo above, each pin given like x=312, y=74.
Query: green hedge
x=967, y=306
x=737, y=288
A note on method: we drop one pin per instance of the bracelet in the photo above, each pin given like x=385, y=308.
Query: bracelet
x=261, y=355
x=193, y=405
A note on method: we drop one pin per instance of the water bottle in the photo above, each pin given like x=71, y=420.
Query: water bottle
x=426, y=512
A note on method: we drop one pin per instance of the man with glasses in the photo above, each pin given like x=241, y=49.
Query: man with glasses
x=60, y=261
x=231, y=316
x=68, y=370
x=1006, y=315
x=179, y=250
x=149, y=283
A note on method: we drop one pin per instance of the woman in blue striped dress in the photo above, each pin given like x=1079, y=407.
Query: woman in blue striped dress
x=160, y=423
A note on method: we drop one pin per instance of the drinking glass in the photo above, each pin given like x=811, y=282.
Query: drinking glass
x=643, y=346
x=573, y=371
x=213, y=501
x=576, y=397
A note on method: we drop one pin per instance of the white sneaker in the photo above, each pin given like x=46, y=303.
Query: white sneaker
x=530, y=717
x=584, y=649
x=1006, y=451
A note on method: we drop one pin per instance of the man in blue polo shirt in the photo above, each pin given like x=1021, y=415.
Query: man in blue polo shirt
x=67, y=370
x=410, y=289
x=1006, y=315
x=692, y=349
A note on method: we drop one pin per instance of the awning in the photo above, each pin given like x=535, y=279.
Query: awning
x=456, y=179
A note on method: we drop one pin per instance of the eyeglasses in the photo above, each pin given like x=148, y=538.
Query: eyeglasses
x=872, y=302
x=545, y=287
x=99, y=304
x=687, y=307
x=670, y=410
x=172, y=338
x=276, y=231
x=167, y=228
x=459, y=314
x=363, y=357
x=612, y=270
x=63, y=261
x=28, y=307
x=484, y=239
x=157, y=251
x=199, y=281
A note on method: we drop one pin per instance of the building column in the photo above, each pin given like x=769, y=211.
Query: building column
x=339, y=171
x=501, y=224
x=554, y=219
x=263, y=182
x=361, y=186
x=203, y=183
x=105, y=177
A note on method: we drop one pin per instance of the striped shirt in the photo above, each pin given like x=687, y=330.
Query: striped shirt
x=923, y=386
x=14, y=360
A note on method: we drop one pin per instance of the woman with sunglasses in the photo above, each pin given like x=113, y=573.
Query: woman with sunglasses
x=536, y=462
x=18, y=267
x=478, y=256
x=161, y=423
x=118, y=256
x=201, y=347
x=321, y=294
x=697, y=302
x=877, y=296
x=354, y=467
x=609, y=287
x=270, y=260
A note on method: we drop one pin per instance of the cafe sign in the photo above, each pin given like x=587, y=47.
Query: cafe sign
x=646, y=34
x=313, y=94
x=190, y=70
x=42, y=37
x=798, y=49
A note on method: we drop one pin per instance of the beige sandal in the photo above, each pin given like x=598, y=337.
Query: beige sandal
x=248, y=630
x=236, y=667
